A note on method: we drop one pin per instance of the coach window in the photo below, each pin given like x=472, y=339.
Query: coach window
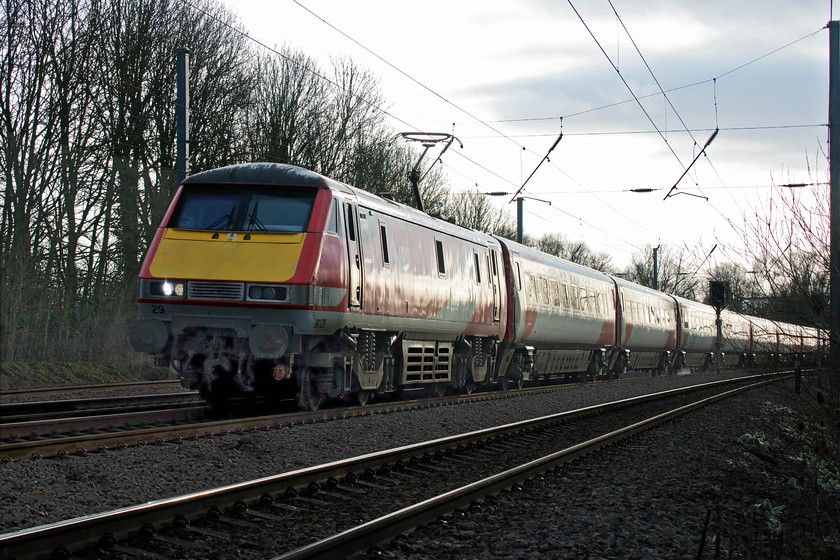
x=555, y=293
x=543, y=291
x=477, y=264
x=564, y=295
x=518, y=277
x=530, y=287
x=573, y=298
x=440, y=262
x=386, y=259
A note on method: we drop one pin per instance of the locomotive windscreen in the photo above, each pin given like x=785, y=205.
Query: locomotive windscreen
x=225, y=208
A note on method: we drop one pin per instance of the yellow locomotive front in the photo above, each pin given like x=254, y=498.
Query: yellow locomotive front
x=226, y=288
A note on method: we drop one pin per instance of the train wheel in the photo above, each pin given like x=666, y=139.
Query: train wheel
x=308, y=397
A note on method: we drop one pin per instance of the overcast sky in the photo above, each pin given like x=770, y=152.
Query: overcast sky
x=502, y=73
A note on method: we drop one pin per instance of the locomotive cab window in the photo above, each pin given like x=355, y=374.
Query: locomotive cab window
x=332, y=220
x=386, y=259
x=439, y=253
x=214, y=208
x=351, y=223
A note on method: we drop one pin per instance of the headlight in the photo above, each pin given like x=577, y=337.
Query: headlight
x=167, y=288
x=173, y=288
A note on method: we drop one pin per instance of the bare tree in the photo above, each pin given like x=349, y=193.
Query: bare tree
x=476, y=211
x=284, y=108
x=575, y=251
x=87, y=92
x=785, y=241
x=29, y=131
x=677, y=273
x=742, y=288
x=786, y=244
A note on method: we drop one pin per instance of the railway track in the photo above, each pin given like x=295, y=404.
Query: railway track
x=343, y=507
x=48, y=410
x=33, y=430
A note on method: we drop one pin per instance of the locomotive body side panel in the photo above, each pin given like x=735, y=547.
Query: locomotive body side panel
x=421, y=277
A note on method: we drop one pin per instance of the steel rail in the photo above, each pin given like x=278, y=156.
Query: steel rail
x=83, y=532
x=387, y=527
x=62, y=408
x=92, y=387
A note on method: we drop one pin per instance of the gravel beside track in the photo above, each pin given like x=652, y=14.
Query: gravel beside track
x=653, y=495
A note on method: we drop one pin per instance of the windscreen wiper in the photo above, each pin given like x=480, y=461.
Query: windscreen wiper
x=254, y=221
x=224, y=221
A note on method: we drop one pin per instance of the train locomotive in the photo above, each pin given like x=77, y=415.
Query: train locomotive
x=270, y=279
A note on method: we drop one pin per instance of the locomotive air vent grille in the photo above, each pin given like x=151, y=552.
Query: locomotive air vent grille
x=230, y=291
x=443, y=365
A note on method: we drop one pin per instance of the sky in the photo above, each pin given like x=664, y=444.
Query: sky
x=507, y=77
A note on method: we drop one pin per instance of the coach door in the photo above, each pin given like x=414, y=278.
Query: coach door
x=351, y=230
x=494, y=279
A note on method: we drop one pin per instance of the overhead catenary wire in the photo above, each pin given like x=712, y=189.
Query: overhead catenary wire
x=585, y=223
x=677, y=113
x=650, y=70
x=405, y=74
x=656, y=189
x=712, y=80
x=545, y=158
x=630, y=89
x=487, y=123
x=666, y=131
x=292, y=61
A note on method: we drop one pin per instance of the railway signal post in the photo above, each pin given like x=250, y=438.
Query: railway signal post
x=717, y=297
